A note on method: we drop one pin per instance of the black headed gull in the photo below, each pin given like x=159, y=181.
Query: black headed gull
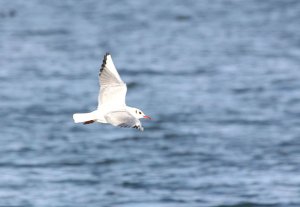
x=112, y=107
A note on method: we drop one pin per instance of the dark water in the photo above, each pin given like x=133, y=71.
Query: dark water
x=220, y=78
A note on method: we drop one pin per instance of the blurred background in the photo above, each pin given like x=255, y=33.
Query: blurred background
x=220, y=78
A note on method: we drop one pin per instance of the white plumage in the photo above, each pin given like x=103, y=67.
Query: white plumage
x=112, y=107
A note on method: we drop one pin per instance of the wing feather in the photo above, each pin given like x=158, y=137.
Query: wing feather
x=112, y=88
x=122, y=119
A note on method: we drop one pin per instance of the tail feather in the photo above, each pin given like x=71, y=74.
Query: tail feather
x=84, y=117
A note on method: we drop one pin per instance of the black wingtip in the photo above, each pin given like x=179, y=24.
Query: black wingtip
x=104, y=62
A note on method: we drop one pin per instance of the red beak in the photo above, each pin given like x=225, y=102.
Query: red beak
x=147, y=117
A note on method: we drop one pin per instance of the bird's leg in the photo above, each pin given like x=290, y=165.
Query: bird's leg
x=89, y=122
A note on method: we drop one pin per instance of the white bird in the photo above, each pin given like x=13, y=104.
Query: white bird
x=112, y=107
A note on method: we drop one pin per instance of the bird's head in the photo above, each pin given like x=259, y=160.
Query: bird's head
x=139, y=114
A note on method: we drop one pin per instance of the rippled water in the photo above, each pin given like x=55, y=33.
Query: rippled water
x=220, y=78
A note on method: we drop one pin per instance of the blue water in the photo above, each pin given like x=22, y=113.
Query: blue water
x=220, y=78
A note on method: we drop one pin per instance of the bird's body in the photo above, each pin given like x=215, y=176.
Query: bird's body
x=112, y=108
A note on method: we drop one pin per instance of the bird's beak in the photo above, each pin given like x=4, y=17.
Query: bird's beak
x=147, y=117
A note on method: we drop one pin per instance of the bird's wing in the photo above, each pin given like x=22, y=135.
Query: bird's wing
x=112, y=89
x=123, y=119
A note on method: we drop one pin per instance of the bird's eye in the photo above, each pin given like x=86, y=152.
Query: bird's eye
x=140, y=112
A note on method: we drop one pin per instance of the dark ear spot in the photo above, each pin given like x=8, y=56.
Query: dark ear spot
x=136, y=111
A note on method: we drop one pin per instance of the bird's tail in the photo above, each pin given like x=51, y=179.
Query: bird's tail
x=84, y=117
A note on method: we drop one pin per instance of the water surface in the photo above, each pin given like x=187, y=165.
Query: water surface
x=220, y=79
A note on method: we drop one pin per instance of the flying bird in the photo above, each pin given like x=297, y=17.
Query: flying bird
x=112, y=108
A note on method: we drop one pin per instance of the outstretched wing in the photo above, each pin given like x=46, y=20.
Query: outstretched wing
x=123, y=119
x=112, y=88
